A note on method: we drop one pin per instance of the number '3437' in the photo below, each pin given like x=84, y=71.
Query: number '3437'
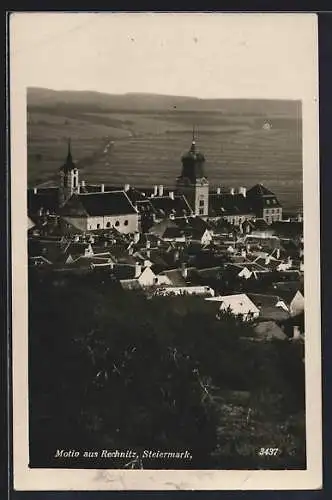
x=268, y=452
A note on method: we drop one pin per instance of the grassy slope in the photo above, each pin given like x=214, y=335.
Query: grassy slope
x=148, y=144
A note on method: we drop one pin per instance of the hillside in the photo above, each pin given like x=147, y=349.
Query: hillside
x=155, y=102
x=148, y=133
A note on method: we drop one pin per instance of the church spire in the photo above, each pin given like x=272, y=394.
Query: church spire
x=69, y=163
x=69, y=155
x=193, y=143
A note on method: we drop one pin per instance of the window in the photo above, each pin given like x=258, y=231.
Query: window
x=126, y=222
x=272, y=211
x=108, y=224
x=98, y=226
x=268, y=202
x=201, y=211
x=117, y=224
x=201, y=203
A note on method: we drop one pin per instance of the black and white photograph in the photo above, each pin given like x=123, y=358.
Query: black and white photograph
x=165, y=225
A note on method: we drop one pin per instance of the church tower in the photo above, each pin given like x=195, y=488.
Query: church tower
x=68, y=178
x=193, y=183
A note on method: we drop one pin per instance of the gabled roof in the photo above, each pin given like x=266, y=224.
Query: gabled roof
x=99, y=204
x=237, y=303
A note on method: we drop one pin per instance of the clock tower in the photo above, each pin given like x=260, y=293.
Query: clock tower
x=193, y=183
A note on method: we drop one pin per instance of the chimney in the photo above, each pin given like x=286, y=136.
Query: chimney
x=232, y=191
x=218, y=190
x=184, y=270
x=148, y=244
x=102, y=188
x=171, y=195
x=155, y=190
x=243, y=253
x=82, y=184
x=35, y=190
x=138, y=269
x=78, y=189
x=243, y=191
x=267, y=259
x=278, y=253
x=126, y=187
x=161, y=190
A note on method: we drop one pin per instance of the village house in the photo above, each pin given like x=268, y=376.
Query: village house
x=239, y=305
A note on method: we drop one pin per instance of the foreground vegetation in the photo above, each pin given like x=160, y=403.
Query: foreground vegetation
x=113, y=370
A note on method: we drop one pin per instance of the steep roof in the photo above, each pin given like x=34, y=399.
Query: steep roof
x=99, y=204
x=237, y=303
x=261, y=197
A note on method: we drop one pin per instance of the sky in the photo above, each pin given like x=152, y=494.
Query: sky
x=193, y=54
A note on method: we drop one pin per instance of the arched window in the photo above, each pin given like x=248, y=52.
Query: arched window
x=126, y=222
x=108, y=224
x=117, y=223
x=98, y=226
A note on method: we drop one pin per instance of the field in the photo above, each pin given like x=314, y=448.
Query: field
x=145, y=147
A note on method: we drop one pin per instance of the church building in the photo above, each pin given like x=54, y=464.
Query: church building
x=193, y=183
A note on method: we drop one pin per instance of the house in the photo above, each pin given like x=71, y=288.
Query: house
x=296, y=305
x=264, y=203
x=239, y=305
x=271, y=307
x=246, y=270
x=101, y=211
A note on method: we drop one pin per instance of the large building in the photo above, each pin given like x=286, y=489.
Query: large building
x=129, y=209
x=193, y=183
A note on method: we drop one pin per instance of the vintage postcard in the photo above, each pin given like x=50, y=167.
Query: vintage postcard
x=165, y=251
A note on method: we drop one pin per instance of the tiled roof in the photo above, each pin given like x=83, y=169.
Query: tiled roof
x=176, y=277
x=165, y=206
x=46, y=198
x=264, y=300
x=288, y=229
x=228, y=204
x=260, y=197
x=99, y=204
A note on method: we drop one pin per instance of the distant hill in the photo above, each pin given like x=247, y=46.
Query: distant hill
x=139, y=102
